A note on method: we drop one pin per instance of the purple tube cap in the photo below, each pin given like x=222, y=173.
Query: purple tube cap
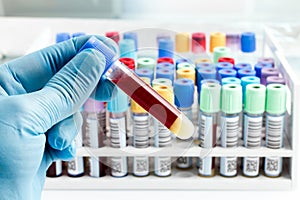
x=92, y=105
x=275, y=79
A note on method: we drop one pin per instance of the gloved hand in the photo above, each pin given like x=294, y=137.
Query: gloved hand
x=40, y=95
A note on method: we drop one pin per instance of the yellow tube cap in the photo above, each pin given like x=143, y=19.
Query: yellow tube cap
x=166, y=92
x=217, y=39
x=182, y=42
x=186, y=73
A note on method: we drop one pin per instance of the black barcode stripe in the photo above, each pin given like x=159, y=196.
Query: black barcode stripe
x=253, y=132
x=274, y=133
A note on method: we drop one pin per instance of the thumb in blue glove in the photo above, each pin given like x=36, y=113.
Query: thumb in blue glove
x=40, y=95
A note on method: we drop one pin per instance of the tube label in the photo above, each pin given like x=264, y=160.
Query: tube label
x=58, y=167
x=141, y=166
x=94, y=166
x=141, y=131
x=75, y=166
x=273, y=166
x=162, y=166
x=92, y=132
x=229, y=131
x=252, y=131
x=206, y=131
x=119, y=166
x=206, y=167
x=251, y=166
x=184, y=162
x=274, y=131
x=118, y=132
x=228, y=166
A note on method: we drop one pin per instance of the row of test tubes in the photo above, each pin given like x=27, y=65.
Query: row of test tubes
x=236, y=102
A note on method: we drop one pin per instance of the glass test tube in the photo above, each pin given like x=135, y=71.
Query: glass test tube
x=253, y=119
x=231, y=107
x=140, y=128
x=142, y=93
x=162, y=136
x=184, y=93
x=275, y=118
x=209, y=108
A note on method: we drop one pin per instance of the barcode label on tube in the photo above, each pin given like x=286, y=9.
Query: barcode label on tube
x=229, y=131
x=141, y=131
x=274, y=131
x=118, y=132
x=252, y=131
x=206, y=131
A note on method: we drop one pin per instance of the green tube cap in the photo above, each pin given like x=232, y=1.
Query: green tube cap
x=148, y=63
x=210, y=97
x=276, y=99
x=231, y=98
x=221, y=52
x=255, y=99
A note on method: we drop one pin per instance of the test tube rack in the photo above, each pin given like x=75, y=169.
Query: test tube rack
x=189, y=180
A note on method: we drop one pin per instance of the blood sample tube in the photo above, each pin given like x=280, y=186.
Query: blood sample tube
x=162, y=136
x=146, y=63
x=95, y=133
x=275, y=120
x=231, y=106
x=209, y=108
x=129, y=62
x=205, y=66
x=202, y=74
x=184, y=99
x=144, y=72
x=185, y=65
x=137, y=90
x=246, y=81
x=202, y=60
x=266, y=61
x=140, y=129
x=253, y=118
x=248, y=48
x=132, y=36
x=224, y=73
x=181, y=60
x=182, y=45
x=233, y=42
x=220, y=52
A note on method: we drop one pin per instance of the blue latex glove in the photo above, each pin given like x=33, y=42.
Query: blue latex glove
x=40, y=95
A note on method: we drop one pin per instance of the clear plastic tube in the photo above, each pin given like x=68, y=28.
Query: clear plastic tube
x=142, y=93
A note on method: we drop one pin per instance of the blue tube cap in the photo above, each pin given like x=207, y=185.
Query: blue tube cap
x=184, y=92
x=239, y=66
x=60, y=37
x=119, y=103
x=78, y=34
x=165, y=48
x=145, y=72
x=165, y=65
x=231, y=80
x=181, y=60
x=133, y=36
x=165, y=73
x=246, y=81
x=224, y=65
x=248, y=42
x=245, y=72
x=109, y=55
x=203, y=74
x=258, y=67
x=205, y=66
x=224, y=73
x=127, y=49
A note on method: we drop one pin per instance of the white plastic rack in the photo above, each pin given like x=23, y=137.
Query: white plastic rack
x=180, y=179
